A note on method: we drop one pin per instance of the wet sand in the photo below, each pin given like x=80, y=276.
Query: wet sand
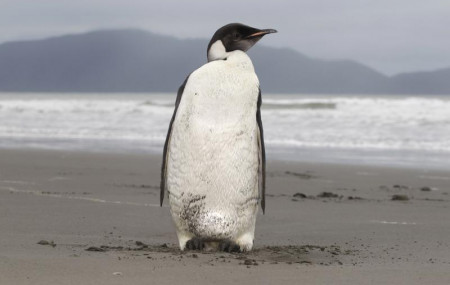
x=84, y=218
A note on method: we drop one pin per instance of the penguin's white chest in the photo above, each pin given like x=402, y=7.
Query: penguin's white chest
x=213, y=159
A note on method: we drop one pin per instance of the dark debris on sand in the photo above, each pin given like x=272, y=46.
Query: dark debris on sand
x=96, y=249
x=355, y=198
x=396, y=187
x=141, y=244
x=302, y=254
x=401, y=187
x=139, y=186
x=305, y=175
x=323, y=195
x=289, y=254
x=399, y=197
x=45, y=242
x=328, y=195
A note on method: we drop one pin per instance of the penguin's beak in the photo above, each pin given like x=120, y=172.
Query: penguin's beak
x=261, y=33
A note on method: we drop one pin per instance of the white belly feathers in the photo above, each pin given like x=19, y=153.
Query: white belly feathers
x=213, y=154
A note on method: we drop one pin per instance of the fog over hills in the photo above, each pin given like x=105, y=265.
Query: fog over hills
x=140, y=61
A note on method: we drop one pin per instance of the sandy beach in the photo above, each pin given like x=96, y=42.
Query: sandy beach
x=93, y=218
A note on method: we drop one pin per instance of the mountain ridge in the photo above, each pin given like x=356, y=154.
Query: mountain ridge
x=133, y=60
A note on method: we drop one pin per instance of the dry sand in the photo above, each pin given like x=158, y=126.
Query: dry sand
x=100, y=218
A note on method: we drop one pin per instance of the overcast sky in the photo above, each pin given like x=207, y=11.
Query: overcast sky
x=391, y=36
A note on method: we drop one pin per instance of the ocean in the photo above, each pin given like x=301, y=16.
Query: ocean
x=398, y=131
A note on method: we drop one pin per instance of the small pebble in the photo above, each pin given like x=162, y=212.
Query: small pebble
x=140, y=243
x=248, y=262
x=94, y=248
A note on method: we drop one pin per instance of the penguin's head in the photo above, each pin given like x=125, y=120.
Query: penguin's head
x=234, y=37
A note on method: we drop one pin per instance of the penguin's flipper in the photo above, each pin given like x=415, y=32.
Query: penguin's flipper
x=262, y=155
x=166, y=144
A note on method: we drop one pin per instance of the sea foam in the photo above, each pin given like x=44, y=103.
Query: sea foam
x=140, y=121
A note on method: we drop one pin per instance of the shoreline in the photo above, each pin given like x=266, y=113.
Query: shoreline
x=324, y=223
x=398, y=159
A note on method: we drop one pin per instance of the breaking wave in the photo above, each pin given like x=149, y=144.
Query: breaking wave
x=376, y=122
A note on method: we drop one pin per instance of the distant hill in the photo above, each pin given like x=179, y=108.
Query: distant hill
x=428, y=82
x=140, y=61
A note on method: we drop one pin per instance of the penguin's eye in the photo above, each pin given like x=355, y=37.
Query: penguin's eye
x=237, y=36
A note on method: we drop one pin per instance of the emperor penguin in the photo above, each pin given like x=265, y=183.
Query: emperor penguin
x=214, y=157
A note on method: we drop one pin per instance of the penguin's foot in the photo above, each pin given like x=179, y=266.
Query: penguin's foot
x=245, y=241
x=229, y=246
x=195, y=244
